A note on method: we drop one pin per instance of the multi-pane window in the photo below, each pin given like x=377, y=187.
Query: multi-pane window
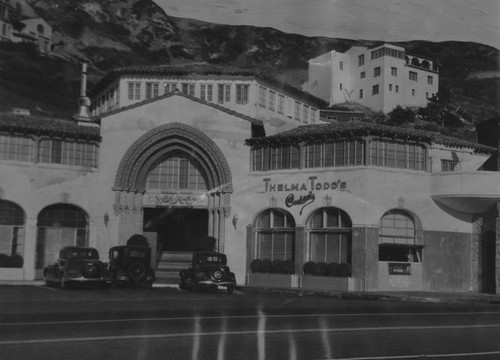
x=329, y=236
x=188, y=89
x=305, y=111
x=448, y=165
x=430, y=80
x=242, y=93
x=361, y=60
x=275, y=158
x=394, y=71
x=341, y=65
x=206, y=92
x=412, y=92
x=313, y=115
x=360, y=93
x=177, y=172
x=262, y=96
x=375, y=89
x=54, y=151
x=376, y=71
x=134, y=90
x=275, y=235
x=334, y=153
x=413, y=76
x=297, y=110
x=11, y=230
x=272, y=100
x=397, y=155
x=397, y=88
x=281, y=103
x=223, y=93
x=390, y=87
x=362, y=75
x=169, y=87
x=397, y=238
x=17, y=148
x=152, y=90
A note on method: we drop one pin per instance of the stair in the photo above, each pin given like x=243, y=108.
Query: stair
x=169, y=266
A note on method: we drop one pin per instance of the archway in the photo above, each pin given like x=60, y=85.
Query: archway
x=488, y=268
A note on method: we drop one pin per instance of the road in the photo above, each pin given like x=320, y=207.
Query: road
x=164, y=323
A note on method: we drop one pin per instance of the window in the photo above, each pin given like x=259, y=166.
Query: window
x=262, y=96
x=397, y=238
x=448, y=165
x=390, y=87
x=177, y=172
x=305, y=112
x=341, y=65
x=329, y=236
x=275, y=235
x=397, y=155
x=394, y=71
x=412, y=92
x=188, y=89
x=242, y=94
x=281, y=104
x=206, y=92
x=376, y=71
x=297, y=111
x=12, y=233
x=224, y=93
x=397, y=88
x=134, y=91
x=313, y=115
x=340, y=86
x=361, y=60
x=362, y=75
x=18, y=148
x=151, y=90
x=275, y=158
x=169, y=87
x=272, y=100
x=413, y=76
x=331, y=118
x=375, y=90
x=360, y=93
x=334, y=153
x=54, y=151
x=430, y=80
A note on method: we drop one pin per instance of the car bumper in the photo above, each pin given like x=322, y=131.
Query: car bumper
x=82, y=279
x=222, y=283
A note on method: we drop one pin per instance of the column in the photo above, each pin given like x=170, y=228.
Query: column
x=30, y=239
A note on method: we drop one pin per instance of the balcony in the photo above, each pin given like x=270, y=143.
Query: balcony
x=466, y=192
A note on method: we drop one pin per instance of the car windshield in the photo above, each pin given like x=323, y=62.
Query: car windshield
x=217, y=259
x=80, y=253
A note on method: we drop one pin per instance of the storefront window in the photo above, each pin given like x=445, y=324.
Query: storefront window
x=397, y=238
x=11, y=234
x=275, y=235
x=329, y=236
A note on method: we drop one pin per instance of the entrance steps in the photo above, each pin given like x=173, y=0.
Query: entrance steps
x=169, y=266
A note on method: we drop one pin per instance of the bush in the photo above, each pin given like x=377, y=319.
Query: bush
x=137, y=240
x=267, y=266
x=4, y=260
x=345, y=270
x=16, y=261
x=256, y=266
x=277, y=266
x=309, y=268
x=288, y=267
x=333, y=269
x=321, y=269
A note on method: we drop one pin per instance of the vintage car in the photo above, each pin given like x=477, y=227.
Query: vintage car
x=77, y=265
x=131, y=266
x=208, y=269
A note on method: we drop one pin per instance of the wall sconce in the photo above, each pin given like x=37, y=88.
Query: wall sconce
x=235, y=221
x=106, y=219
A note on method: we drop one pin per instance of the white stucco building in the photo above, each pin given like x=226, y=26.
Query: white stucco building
x=380, y=78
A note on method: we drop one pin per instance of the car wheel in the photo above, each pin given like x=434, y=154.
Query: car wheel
x=137, y=271
x=218, y=274
x=230, y=289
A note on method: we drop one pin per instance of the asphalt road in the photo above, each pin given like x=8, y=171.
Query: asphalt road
x=165, y=323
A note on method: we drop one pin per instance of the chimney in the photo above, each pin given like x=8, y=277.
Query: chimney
x=83, y=115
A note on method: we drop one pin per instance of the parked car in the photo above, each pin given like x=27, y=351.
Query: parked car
x=208, y=269
x=77, y=265
x=131, y=266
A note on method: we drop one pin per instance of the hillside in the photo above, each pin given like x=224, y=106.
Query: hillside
x=116, y=33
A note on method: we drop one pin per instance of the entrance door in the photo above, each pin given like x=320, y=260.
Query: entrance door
x=488, y=270
x=178, y=229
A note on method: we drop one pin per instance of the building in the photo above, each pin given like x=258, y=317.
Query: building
x=343, y=205
x=5, y=26
x=36, y=31
x=380, y=78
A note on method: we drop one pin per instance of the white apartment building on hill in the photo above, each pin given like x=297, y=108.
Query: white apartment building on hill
x=380, y=78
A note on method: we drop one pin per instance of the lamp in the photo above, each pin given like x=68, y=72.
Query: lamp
x=235, y=221
x=106, y=219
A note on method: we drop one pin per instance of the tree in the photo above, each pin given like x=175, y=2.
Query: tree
x=399, y=116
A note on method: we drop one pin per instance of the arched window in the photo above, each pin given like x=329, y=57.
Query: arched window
x=415, y=61
x=397, y=238
x=11, y=234
x=40, y=28
x=177, y=172
x=59, y=225
x=329, y=236
x=275, y=235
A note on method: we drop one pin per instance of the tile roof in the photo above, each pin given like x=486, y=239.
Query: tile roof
x=337, y=130
x=203, y=69
x=42, y=125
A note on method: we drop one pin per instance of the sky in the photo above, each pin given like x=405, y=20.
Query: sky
x=387, y=20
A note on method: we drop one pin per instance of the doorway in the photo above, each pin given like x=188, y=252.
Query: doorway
x=488, y=269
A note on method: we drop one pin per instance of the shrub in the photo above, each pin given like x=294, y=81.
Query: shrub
x=333, y=269
x=345, y=269
x=137, y=240
x=321, y=269
x=288, y=267
x=309, y=268
x=16, y=261
x=4, y=260
x=267, y=266
x=256, y=266
x=277, y=266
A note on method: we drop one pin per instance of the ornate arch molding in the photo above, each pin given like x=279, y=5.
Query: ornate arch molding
x=154, y=146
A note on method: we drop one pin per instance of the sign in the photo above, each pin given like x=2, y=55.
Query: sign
x=175, y=198
x=310, y=185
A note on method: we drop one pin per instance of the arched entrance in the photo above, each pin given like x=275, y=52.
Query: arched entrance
x=173, y=184
x=488, y=269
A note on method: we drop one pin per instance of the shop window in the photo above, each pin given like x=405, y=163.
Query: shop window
x=12, y=221
x=397, y=238
x=54, y=151
x=18, y=148
x=177, y=172
x=329, y=236
x=59, y=226
x=275, y=235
